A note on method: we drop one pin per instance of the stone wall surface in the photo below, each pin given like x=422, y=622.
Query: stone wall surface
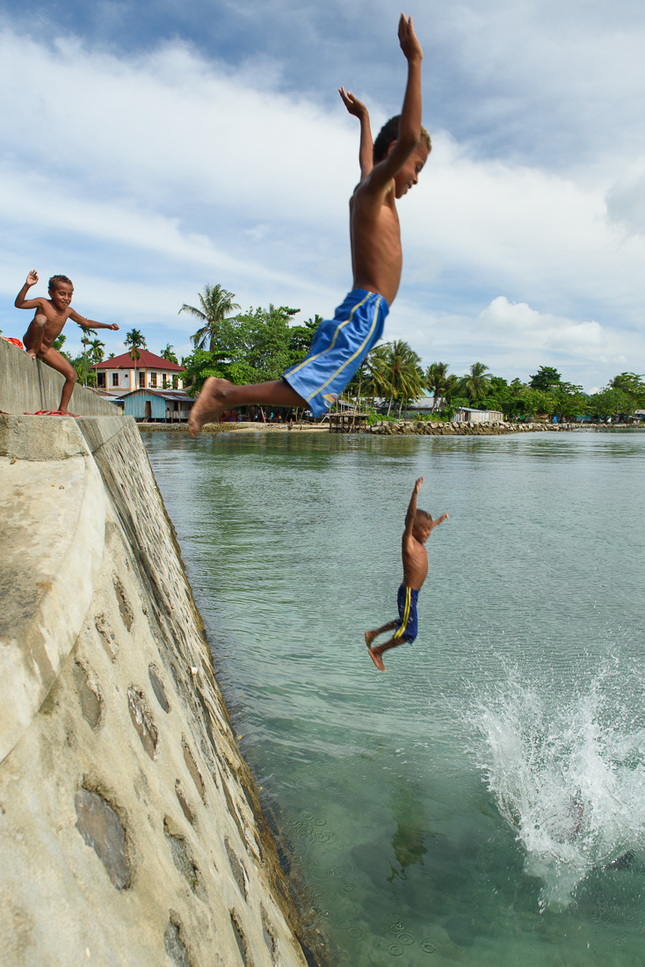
x=130, y=827
x=27, y=385
x=463, y=428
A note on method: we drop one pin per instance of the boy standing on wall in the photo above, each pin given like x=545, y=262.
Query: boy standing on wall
x=340, y=345
x=47, y=325
x=418, y=527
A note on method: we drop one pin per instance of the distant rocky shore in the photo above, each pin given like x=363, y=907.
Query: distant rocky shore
x=382, y=428
x=426, y=427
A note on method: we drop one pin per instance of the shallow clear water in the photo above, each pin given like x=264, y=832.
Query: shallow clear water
x=482, y=803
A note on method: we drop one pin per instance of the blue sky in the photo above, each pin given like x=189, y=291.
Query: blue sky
x=149, y=149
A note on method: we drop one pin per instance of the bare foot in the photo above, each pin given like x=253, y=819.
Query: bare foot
x=212, y=401
x=374, y=654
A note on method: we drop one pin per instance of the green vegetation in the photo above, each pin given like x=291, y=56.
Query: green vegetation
x=261, y=343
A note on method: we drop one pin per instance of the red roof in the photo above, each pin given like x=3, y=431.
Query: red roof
x=147, y=360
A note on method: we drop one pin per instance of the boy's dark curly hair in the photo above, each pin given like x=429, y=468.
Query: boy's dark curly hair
x=389, y=133
x=60, y=278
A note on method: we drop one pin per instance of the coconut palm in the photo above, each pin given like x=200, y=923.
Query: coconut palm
x=378, y=383
x=136, y=341
x=169, y=354
x=476, y=383
x=436, y=377
x=396, y=372
x=214, y=306
x=96, y=351
x=85, y=339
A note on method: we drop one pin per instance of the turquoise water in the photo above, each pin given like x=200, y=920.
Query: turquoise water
x=482, y=803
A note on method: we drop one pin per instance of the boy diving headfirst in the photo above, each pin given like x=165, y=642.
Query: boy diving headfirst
x=341, y=344
x=418, y=527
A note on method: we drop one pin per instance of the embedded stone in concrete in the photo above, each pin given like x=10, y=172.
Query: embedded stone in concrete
x=158, y=689
x=237, y=869
x=101, y=828
x=143, y=721
x=191, y=765
x=107, y=637
x=267, y=933
x=124, y=606
x=62, y=906
x=239, y=936
x=175, y=947
x=90, y=700
x=183, y=802
x=207, y=716
x=183, y=859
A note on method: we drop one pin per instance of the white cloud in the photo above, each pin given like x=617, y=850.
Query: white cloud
x=145, y=176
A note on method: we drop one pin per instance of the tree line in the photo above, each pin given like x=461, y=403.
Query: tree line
x=258, y=345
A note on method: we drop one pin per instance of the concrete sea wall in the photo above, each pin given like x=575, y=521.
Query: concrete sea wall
x=27, y=385
x=130, y=827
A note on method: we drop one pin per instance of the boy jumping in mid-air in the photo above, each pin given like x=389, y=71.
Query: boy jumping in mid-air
x=340, y=345
x=47, y=325
x=418, y=527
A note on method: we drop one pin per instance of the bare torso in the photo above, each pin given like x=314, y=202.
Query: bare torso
x=415, y=562
x=55, y=320
x=376, y=242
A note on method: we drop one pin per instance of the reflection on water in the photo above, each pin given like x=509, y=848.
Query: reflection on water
x=482, y=802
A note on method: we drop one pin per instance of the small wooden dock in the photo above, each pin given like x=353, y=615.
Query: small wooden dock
x=347, y=422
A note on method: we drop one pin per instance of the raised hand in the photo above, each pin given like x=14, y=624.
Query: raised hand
x=408, y=39
x=353, y=105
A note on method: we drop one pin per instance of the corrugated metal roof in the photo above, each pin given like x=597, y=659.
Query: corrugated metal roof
x=167, y=394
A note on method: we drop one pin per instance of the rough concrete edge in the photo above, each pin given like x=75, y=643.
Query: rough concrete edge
x=27, y=386
x=97, y=432
x=62, y=608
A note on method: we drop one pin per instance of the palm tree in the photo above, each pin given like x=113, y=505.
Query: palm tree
x=85, y=339
x=378, y=383
x=215, y=305
x=407, y=375
x=396, y=370
x=476, y=384
x=96, y=351
x=169, y=355
x=136, y=341
x=436, y=378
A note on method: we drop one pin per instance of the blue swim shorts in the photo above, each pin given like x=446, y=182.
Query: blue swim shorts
x=339, y=347
x=406, y=600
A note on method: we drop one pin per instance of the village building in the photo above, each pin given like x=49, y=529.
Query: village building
x=465, y=414
x=122, y=374
x=157, y=406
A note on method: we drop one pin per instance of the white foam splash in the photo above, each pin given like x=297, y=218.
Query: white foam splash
x=569, y=778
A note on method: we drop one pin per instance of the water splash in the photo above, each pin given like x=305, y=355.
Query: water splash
x=568, y=777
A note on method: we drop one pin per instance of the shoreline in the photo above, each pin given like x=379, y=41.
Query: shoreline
x=389, y=428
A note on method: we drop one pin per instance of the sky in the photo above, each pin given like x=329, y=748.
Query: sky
x=151, y=148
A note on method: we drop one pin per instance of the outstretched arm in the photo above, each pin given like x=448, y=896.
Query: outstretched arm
x=412, y=509
x=410, y=119
x=366, y=149
x=440, y=520
x=21, y=302
x=410, y=123
x=90, y=323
